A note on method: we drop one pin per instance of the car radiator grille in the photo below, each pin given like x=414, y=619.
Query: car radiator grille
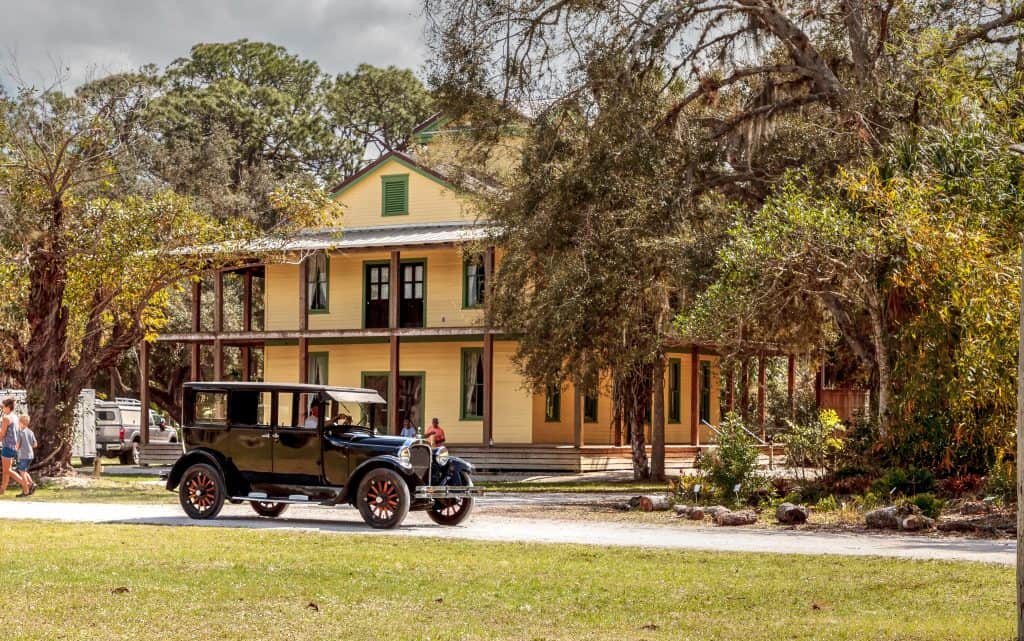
x=420, y=460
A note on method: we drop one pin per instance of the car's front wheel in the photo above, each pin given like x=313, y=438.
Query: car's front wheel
x=202, y=491
x=266, y=508
x=383, y=498
x=452, y=511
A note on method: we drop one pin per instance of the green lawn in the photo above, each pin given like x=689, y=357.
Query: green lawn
x=211, y=583
x=108, y=489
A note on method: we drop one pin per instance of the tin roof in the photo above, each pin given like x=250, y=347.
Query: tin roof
x=378, y=236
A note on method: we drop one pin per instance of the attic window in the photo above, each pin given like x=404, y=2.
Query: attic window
x=395, y=195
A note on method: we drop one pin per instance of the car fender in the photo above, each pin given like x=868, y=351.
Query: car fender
x=449, y=472
x=384, y=460
x=226, y=468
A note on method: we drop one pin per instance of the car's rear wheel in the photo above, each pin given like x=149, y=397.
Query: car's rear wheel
x=383, y=498
x=266, y=508
x=202, y=491
x=452, y=511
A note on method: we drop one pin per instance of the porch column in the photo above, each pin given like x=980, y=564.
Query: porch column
x=577, y=417
x=394, y=371
x=695, y=396
x=730, y=391
x=246, y=320
x=819, y=382
x=761, y=392
x=218, y=325
x=488, y=355
x=303, y=322
x=194, y=365
x=144, y=392
x=790, y=384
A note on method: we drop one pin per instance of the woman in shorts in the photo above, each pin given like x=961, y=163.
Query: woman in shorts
x=9, y=445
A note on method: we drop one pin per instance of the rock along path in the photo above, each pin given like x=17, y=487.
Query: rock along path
x=488, y=527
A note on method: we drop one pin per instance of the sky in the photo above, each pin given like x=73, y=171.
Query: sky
x=41, y=40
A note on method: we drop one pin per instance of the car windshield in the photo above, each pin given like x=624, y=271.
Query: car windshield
x=345, y=413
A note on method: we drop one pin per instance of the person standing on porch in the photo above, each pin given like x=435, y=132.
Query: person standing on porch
x=408, y=429
x=9, y=445
x=434, y=433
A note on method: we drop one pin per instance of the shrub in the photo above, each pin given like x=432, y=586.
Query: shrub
x=961, y=485
x=734, y=462
x=904, y=481
x=827, y=504
x=682, y=488
x=929, y=505
x=1001, y=482
x=850, y=485
x=815, y=444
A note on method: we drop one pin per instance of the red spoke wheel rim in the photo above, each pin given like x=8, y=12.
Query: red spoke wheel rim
x=202, y=492
x=449, y=507
x=383, y=498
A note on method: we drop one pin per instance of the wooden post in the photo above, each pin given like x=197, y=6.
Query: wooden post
x=395, y=369
x=745, y=389
x=246, y=363
x=730, y=391
x=144, y=392
x=488, y=355
x=112, y=372
x=246, y=322
x=577, y=417
x=195, y=364
x=303, y=322
x=791, y=385
x=695, y=396
x=761, y=392
x=218, y=325
x=819, y=382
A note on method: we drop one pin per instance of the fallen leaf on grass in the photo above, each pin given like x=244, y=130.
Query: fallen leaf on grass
x=439, y=599
x=120, y=590
x=312, y=606
x=649, y=626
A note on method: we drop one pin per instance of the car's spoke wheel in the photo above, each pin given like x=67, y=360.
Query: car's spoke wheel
x=202, y=491
x=268, y=508
x=383, y=498
x=452, y=511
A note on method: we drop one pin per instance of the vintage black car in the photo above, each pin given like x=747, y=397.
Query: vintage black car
x=279, y=444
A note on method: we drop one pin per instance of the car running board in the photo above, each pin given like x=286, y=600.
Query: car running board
x=294, y=499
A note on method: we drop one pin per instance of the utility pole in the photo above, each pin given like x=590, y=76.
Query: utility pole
x=1019, y=462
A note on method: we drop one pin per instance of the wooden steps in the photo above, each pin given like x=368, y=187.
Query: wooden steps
x=160, y=453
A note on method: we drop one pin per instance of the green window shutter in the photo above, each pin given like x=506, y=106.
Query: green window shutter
x=395, y=195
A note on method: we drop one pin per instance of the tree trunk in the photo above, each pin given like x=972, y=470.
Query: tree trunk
x=636, y=397
x=658, y=420
x=883, y=370
x=46, y=366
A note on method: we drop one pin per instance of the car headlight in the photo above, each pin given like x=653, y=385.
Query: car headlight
x=441, y=455
x=405, y=456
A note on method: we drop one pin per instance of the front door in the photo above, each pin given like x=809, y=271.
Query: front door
x=412, y=286
x=410, y=400
x=378, y=413
x=376, y=295
x=297, y=451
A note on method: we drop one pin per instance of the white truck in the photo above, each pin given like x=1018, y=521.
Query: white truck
x=117, y=429
x=84, y=444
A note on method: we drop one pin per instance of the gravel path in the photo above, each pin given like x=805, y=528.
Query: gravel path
x=491, y=527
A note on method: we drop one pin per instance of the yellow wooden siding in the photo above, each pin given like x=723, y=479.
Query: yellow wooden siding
x=444, y=271
x=281, y=298
x=429, y=200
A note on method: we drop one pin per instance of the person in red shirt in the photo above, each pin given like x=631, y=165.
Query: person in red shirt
x=434, y=433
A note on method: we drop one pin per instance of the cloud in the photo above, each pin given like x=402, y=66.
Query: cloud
x=45, y=39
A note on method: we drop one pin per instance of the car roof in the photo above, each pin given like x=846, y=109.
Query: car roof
x=288, y=387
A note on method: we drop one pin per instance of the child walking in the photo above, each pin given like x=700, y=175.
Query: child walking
x=26, y=450
x=9, y=441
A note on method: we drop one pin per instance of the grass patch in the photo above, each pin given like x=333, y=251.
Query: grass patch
x=107, y=489
x=214, y=583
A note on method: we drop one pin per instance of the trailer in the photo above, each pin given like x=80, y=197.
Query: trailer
x=83, y=444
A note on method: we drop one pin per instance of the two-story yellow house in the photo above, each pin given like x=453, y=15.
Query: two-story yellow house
x=395, y=303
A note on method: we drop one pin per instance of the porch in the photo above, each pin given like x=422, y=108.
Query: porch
x=585, y=458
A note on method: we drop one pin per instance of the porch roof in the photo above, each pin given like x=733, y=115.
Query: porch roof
x=376, y=237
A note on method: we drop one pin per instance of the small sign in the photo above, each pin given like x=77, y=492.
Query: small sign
x=696, y=489
x=736, y=488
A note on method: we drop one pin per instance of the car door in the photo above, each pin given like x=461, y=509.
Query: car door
x=297, y=447
x=248, y=439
